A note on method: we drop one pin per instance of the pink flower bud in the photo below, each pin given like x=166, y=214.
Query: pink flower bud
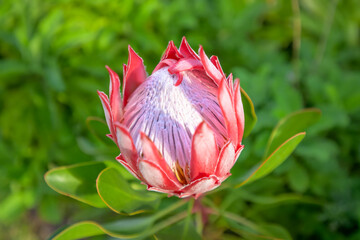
x=179, y=130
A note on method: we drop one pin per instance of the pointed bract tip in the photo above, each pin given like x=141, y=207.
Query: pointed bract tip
x=124, y=70
x=186, y=50
x=201, y=49
x=132, y=52
x=230, y=78
x=184, y=41
x=109, y=69
x=132, y=55
x=101, y=94
x=203, y=55
x=209, y=67
x=171, y=52
x=170, y=45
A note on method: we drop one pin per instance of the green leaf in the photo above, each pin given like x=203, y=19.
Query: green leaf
x=294, y=123
x=279, y=199
x=249, y=112
x=139, y=227
x=78, y=181
x=276, y=231
x=242, y=225
x=131, y=227
x=248, y=230
x=80, y=230
x=116, y=193
x=275, y=159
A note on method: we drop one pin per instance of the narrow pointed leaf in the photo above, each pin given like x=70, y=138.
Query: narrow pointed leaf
x=275, y=159
x=294, y=123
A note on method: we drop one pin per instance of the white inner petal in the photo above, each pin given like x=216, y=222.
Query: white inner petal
x=169, y=114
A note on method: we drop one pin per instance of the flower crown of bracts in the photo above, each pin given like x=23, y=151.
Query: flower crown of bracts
x=180, y=129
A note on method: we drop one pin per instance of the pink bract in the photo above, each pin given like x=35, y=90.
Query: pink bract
x=179, y=130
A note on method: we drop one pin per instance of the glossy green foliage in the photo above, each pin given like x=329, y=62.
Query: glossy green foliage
x=80, y=230
x=275, y=158
x=118, y=195
x=283, y=142
x=100, y=185
x=78, y=181
x=292, y=124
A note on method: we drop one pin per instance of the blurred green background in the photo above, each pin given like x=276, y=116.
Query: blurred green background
x=288, y=54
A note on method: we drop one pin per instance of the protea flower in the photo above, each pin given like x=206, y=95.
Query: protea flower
x=179, y=130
